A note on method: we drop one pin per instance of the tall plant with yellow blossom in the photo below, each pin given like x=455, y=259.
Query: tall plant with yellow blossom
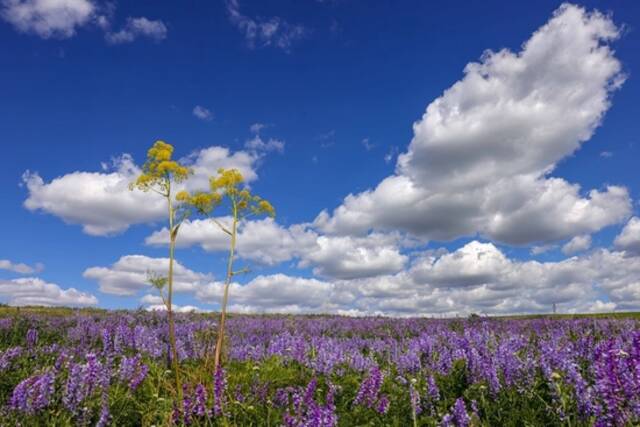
x=160, y=174
x=229, y=185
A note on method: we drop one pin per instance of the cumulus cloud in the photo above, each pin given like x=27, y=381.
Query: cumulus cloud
x=629, y=238
x=138, y=27
x=130, y=273
x=266, y=241
x=151, y=299
x=207, y=161
x=261, y=32
x=35, y=291
x=474, y=264
x=62, y=18
x=537, y=250
x=48, y=18
x=20, y=268
x=103, y=204
x=346, y=257
x=176, y=308
x=482, y=154
x=577, y=244
x=477, y=277
x=100, y=201
x=262, y=240
x=202, y=113
x=273, y=293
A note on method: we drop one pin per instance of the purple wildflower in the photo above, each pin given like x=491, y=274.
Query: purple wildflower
x=7, y=357
x=383, y=405
x=369, y=388
x=32, y=338
x=219, y=390
x=33, y=393
x=200, y=403
x=460, y=413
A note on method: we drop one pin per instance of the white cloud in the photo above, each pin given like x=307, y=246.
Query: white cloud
x=151, y=299
x=207, y=161
x=477, y=277
x=260, y=145
x=481, y=156
x=35, y=291
x=577, y=244
x=103, y=204
x=629, y=238
x=261, y=32
x=474, y=264
x=20, y=268
x=391, y=154
x=138, y=27
x=618, y=274
x=367, y=144
x=202, y=113
x=129, y=275
x=262, y=240
x=273, y=293
x=48, y=18
x=537, y=250
x=349, y=257
x=62, y=19
x=269, y=243
x=257, y=127
x=176, y=308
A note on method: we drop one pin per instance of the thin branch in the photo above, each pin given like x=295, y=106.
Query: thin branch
x=158, y=191
x=222, y=227
x=241, y=271
x=185, y=215
x=247, y=215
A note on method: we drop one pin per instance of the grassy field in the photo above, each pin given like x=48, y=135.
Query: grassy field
x=61, y=366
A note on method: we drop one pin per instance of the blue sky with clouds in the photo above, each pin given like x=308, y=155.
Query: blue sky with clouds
x=423, y=158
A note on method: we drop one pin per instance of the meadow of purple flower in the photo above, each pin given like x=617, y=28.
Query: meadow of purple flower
x=114, y=369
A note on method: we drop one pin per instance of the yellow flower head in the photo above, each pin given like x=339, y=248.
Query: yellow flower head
x=159, y=170
x=227, y=180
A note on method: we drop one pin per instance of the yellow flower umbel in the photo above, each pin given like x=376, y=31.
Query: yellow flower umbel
x=227, y=185
x=159, y=174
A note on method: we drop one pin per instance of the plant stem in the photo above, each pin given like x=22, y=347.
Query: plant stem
x=225, y=298
x=172, y=326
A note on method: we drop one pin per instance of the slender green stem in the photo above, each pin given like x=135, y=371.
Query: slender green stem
x=225, y=298
x=172, y=326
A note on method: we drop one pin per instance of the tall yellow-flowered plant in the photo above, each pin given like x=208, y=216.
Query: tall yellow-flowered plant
x=159, y=174
x=228, y=184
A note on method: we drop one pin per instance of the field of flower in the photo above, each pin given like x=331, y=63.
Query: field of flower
x=113, y=368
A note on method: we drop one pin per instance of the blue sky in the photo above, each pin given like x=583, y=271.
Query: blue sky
x=339, y=84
